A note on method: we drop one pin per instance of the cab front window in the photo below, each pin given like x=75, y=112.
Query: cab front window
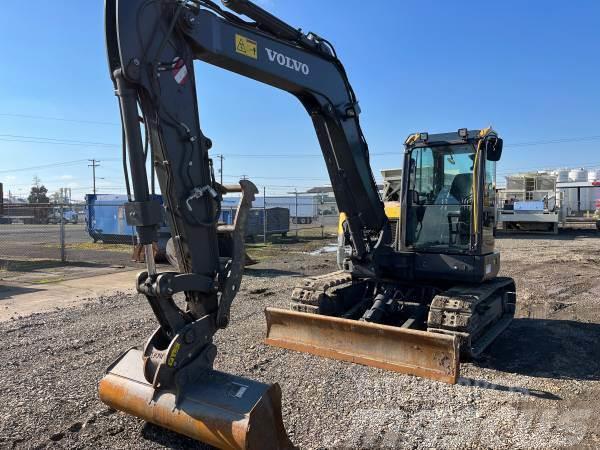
x=440, y=198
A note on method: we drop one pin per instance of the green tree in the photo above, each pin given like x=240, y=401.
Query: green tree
x=37, y=196
x=39, y=193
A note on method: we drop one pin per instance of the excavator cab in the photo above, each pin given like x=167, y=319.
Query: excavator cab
x=448, y=204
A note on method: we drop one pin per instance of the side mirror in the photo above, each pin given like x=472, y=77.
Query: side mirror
x=494, y=149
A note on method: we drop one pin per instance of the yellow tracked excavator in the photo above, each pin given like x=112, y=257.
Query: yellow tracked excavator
x=415, y=290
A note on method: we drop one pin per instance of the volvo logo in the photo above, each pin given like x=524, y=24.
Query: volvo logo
x=288, y=62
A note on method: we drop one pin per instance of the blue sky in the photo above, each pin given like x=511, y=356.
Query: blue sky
x=530, y=69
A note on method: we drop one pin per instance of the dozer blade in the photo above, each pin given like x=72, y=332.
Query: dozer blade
x=219, y=409
x=403, y=350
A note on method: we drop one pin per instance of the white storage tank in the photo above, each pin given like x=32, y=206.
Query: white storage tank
x=578, y=175
x=593, y=175
x=562, y=175
x=572, y=199
x=581, y=203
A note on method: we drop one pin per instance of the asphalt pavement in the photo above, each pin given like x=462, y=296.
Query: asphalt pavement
x=21, y=244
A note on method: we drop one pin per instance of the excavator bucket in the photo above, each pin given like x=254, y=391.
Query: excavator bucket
x=428, y=355
x=219, y=409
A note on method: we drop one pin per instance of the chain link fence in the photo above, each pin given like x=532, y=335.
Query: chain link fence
x=39, y=235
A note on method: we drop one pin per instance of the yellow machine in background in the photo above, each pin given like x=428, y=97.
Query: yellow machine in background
x=392, y=181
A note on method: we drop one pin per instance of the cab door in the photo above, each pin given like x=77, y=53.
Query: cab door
x=488, y=219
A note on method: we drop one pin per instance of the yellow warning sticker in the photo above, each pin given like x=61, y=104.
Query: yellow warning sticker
x=245, y=46
x=173, y=354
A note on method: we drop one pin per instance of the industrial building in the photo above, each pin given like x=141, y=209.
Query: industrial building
x=539, y=201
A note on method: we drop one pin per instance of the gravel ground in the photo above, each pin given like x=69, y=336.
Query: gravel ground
x=537, y=387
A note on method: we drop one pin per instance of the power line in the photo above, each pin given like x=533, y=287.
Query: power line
x=277, y=178
x=59, y=119
x=553, y=141
x=97, y=122
x=45, y=166
x=286, y=186
x=507, y=145
x=49, y=140
x=52, y=165
x=62, y=141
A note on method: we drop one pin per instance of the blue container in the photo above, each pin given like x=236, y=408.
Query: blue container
x=105, y=219
x=227, y=216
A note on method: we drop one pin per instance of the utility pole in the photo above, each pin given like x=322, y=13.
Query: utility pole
x=294, y=218
x=221, y=158
x=296, y=212
x=264, y=215
x=93, y=165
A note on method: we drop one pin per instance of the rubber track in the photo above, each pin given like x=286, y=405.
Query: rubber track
x=308, y=294
x=470, y=312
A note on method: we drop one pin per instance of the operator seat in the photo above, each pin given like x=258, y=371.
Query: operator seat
x=462, y=187
x=459, y=221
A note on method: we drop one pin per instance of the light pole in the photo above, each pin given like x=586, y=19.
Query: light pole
x=296, y=209
x=93, y=165
x=221, y=158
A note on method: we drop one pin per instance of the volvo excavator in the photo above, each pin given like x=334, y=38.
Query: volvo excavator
x=417, y=288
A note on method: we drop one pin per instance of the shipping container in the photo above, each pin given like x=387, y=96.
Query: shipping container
x=278, y=222
x=106, y=222
x=105, y=219
x=303, y=209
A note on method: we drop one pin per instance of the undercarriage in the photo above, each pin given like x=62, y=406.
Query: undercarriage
x=472, y=315
x=476, y=314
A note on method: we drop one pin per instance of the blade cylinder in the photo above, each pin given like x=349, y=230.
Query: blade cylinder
x=428, y=355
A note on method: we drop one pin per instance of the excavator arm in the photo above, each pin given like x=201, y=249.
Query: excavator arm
x=152, y=45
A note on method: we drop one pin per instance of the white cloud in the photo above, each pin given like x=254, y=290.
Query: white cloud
x=66, y=177
x=11, y=177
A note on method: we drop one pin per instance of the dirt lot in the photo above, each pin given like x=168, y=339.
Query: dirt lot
x=537, y=387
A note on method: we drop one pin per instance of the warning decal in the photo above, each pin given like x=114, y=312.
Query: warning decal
x=180, y=72
x=245, y=46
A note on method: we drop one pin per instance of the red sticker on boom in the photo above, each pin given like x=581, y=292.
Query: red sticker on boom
x=180, y=72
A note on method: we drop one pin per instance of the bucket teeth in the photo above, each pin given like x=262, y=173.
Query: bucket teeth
x=219, y=409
